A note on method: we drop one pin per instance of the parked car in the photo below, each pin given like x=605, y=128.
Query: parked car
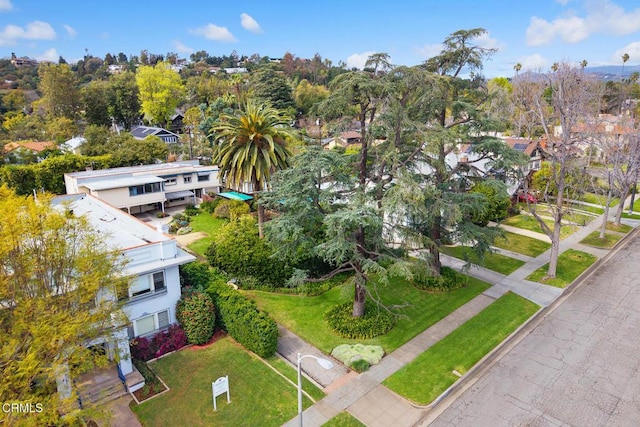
x=527, y=197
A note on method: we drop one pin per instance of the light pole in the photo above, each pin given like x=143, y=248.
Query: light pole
x=326, y=364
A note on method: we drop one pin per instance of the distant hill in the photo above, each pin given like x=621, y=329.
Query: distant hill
x=612, y=72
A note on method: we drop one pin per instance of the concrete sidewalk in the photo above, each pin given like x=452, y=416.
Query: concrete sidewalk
x=373, y=404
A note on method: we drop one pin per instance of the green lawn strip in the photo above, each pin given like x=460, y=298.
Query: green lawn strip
x=207, y=223
x=570, y=264
x=290, y=372
x=598, y=199
x=493, y=261
x=632, y=216
x=610, y=239
x=528, y=222
x=430, y=374
x=592, y=209
x=418, y=310
x=259, y=396
x=343, y=419
x=622, y=228
x=521, y=244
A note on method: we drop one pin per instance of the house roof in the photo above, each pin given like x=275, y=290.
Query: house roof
x=75, y=142
x=121, y=182
x=141, y=132
x=35, y=146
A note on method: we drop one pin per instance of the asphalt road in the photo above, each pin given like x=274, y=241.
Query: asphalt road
x=580, y=366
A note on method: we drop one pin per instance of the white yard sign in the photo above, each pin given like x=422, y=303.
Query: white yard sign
x=218, y=387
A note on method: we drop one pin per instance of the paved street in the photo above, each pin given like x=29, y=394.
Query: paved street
x=579, y=366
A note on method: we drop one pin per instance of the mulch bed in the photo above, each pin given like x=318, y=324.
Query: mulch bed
x=148, y=391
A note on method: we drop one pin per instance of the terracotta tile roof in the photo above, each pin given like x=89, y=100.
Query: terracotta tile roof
x=36, y=146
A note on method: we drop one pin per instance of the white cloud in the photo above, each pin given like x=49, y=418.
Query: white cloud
x=357, y=60
x=249, y=24
x=70, y=31
x=602, y=16
x=632, y=49
x=49, y=55
x=487, y=42
x=532, y=62
x=181, y=47
x=214, y=32
x=5, y=5
x=429, y=50
x=36, y=30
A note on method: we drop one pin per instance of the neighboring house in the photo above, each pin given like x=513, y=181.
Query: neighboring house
x=152, y=261
x=23, y=61
x=176, y=122
x=115, y=69
x=74, y=144
x=24, y=149
x=144, y=188
x=348, y=139
x=141, y=132
x=532, y=149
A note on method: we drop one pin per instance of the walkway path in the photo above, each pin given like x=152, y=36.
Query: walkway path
x=373, y=404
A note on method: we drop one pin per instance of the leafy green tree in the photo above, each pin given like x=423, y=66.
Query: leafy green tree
x=497, y=201
x=15, y=100
x=61, y=129
x=307, y=95
x=60, y=92
x=251, y=145
x=130, y=151
x=161, y=91
x=54, y=271
x=270, y=86
x=95, y=103
x=124, y=99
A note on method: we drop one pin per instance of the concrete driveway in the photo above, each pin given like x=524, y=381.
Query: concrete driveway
x=580, y=366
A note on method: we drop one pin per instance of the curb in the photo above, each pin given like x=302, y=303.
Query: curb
x=442, y=402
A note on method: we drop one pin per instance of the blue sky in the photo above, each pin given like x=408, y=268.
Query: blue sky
x=534, y=33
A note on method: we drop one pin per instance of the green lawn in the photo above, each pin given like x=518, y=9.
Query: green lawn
x=259, y=396
x=622, y=228
x=493, y=261
x=418, y=309
x=290, y=372
x=343, y=419
x=610, y=239
x=592, y=209
x=528, y=222
x=521, y=244
x=598, y=199
x=571, y=264
x=207, y=223
x=430, y=374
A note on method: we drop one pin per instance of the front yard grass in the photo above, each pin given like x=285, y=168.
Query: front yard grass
x=343, y=419
x=571, y=264
x=418, y=310
x=259, y=396
x=493, y=261
x=528, y=222
x=622, y=228
x=207, y=223
x=609, y=241
x=598, y=199
x=431, y=373
x=521, y=244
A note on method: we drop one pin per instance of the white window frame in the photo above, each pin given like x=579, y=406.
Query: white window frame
x=171, y=181
x=156, y=322
x=187, y=179
x=151, y=288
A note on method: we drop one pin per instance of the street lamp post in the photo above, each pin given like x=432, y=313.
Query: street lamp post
x=326, y=364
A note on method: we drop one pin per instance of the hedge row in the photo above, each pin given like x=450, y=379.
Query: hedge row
x=240, y=317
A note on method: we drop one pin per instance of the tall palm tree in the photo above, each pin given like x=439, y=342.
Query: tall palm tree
x=625, y=58
x=251, y=145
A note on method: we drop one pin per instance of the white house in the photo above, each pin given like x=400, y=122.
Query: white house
x=147, y=187
x=152, y=261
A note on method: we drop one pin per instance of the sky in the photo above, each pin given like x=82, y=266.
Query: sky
x=534, y=33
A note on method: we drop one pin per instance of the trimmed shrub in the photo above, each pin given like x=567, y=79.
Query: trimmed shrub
x=210, y=205
x=191, y=210
x=375, y=322
x=231, y=209
x=359, y=365
x=195, y=274
x=240, y=317
x=196, y=315
x=241, y=253
x=163, y=342
x=354, y=354
x=448, y=280
x=184, y=230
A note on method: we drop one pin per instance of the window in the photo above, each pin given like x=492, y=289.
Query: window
x=203, y=177
x=153, y=322
x=170, y=181
x=148, y=284
x=137, y=190
x=187, y=179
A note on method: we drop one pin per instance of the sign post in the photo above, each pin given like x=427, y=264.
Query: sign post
x=218, y=387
